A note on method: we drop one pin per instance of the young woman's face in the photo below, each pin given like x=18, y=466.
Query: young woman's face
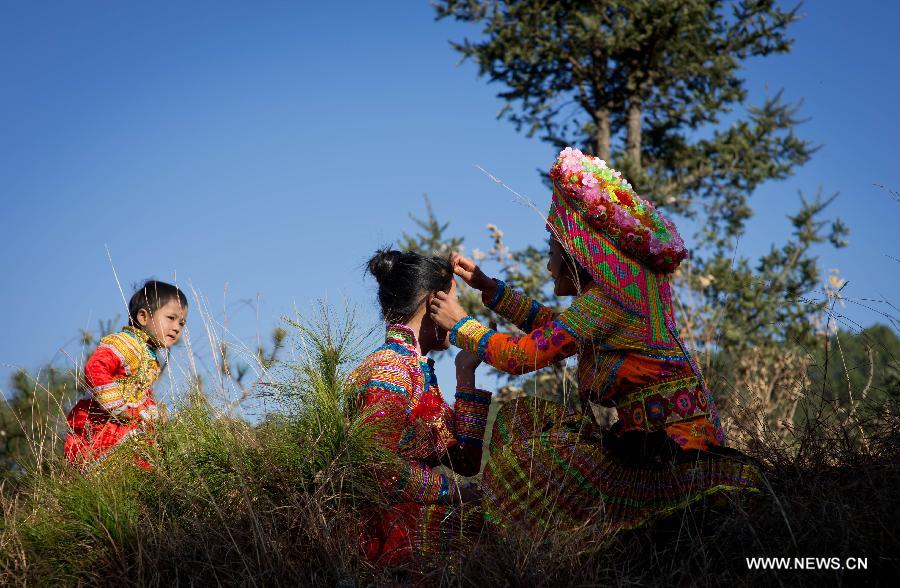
x=563, y=280
x=165, y=325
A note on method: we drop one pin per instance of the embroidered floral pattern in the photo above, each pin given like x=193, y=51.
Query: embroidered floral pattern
x=657, y=409
x=548, y=336
x=683, y=402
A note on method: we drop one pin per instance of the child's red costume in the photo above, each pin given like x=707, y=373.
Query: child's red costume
x=120, y=405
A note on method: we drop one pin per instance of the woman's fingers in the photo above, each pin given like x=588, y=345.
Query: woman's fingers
x=463, y=267
x=469, y=271
x=463, y=273
x=444, y=308
x=464, y=263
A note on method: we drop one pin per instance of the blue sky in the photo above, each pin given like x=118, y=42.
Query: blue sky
x=262, y=151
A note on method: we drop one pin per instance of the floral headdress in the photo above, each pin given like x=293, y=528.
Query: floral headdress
x=591, y=198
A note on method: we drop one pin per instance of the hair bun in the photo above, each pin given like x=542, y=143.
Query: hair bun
x=382, y=263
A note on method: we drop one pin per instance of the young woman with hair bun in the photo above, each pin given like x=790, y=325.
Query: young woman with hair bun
x=429, y=513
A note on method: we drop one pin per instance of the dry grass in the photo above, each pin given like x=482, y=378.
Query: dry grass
x=277, y=503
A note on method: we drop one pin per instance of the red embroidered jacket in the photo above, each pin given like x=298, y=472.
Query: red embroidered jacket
x=398, y=390
x=120, y=374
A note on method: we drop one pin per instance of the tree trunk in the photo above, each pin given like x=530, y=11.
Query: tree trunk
x=601, y=147
x=633, y=137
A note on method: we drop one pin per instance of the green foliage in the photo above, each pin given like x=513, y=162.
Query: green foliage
x=32, y=418
x=640, y=83
x=768, y=303
x=431, y=237
x=863, y=366
x=320, y=408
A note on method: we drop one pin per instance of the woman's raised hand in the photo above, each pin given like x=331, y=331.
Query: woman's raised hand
x=445, y=309
x=472, y=275
x=466, y=362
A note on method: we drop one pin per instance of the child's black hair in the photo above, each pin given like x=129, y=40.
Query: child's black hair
x=404, y=278
x=152, y=296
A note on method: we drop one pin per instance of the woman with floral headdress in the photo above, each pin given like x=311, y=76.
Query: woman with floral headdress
x=614, y=252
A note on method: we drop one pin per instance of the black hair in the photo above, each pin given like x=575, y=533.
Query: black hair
x=404, y=278
x=152, y=296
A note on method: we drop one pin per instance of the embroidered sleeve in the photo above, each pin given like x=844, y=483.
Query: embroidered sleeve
x=470, y=414
x=103, y=372
x=470, y=419
x=554, y=341
x=112, y=372
x=384, y=395
x=518, y=308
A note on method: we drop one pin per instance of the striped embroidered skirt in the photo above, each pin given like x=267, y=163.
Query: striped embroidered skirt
x=411, y=532
x=550, y=471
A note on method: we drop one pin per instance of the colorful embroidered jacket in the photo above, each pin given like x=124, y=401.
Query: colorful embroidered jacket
x=628, y=357
x=397, y=389
x=120, y=373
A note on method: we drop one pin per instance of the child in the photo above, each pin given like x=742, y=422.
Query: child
x=119, y=374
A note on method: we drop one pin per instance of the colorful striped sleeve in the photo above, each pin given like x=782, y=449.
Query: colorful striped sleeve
x=519, y=308
x=470, y=414
x=103, y=372
x=544, y=345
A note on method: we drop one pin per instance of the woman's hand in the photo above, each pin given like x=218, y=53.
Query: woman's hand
x=472, y=275
x=444, y=308
x=466, y=363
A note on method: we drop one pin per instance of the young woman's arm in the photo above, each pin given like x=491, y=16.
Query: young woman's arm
x=518, y=308
x=470, y=419
x=591, y=316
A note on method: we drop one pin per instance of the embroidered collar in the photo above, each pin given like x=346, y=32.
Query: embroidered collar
x=144, y=338
x=402, y=335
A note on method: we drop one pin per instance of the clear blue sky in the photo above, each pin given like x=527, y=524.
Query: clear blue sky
x=272, y=146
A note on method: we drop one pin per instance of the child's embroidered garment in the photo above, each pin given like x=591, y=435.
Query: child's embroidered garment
x=120, y=374
x=547, y=464
x=398, y=393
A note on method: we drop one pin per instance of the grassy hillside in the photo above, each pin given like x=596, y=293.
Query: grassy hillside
x=278, y=503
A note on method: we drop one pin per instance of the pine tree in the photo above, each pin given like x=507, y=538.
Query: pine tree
x=655, y=87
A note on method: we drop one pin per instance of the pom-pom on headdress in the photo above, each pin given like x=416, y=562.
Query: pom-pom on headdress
x=594, y=208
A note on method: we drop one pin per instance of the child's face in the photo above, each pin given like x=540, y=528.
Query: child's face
x=165, y=325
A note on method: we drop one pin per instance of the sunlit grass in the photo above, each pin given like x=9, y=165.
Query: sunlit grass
x=278, y=501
